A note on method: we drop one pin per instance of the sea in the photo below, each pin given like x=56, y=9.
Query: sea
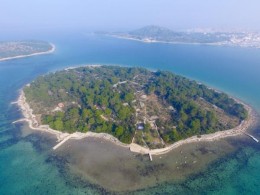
x=28, y=164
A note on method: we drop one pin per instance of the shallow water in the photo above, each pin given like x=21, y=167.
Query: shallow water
x=117, y=169
x=29, y=166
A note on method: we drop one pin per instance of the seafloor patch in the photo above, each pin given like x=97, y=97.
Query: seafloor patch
x=117, y=169
x=105, y=167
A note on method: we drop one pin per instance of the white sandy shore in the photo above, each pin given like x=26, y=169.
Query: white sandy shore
x=34, y=54
x=222, y=43
x=63, y=137
x=80, y=66
x=168, y=42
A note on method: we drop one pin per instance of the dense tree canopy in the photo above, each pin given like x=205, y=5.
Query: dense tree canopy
x=103, y=99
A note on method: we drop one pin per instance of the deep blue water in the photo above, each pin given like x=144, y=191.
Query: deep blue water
x=24, y=164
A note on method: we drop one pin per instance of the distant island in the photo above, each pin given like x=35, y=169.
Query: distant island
x=139, y=107
x=19, y=49
x=152, y=34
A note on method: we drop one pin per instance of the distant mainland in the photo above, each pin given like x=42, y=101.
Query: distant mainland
x=20, y=49
x=153, y=34
x=148, y=112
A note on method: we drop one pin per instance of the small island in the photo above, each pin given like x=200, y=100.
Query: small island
x=128, y=105
x=20, y=49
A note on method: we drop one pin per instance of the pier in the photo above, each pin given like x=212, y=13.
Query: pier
x=19, y=120
x=150, y=156
x=62, y=142
x=254, y=138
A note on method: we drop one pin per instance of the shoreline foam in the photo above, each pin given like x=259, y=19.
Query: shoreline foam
x=29, y=55
x=63, y=137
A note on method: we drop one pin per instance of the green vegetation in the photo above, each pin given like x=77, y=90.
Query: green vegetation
x=115, y=100
x=164, y=34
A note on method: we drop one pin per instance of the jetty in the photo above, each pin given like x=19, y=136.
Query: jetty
x=150, y=156
x=62, y=142
x=254, y=138
x=20, y=120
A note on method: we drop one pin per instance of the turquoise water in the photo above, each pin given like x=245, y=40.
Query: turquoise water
x=25, y=161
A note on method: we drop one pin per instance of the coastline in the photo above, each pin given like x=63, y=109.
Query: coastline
x=239, y=130
x=29, y=55
x=63, y=137
x=183, y=43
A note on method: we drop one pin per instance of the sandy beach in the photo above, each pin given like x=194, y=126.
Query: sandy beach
x=34, y=54
x=63, y=137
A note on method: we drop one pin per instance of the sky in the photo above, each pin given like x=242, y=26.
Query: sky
x=124, y=15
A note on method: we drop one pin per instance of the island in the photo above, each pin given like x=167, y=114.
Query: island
x=151, y=34
x=147, y=111
x=19, y=49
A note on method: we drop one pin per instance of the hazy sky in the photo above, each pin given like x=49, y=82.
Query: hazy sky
x=128, y=14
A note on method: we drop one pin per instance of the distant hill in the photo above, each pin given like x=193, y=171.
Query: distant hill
x=155, y=32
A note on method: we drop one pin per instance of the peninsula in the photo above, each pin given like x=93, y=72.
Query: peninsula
x=20, y=49
x=149, y=112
